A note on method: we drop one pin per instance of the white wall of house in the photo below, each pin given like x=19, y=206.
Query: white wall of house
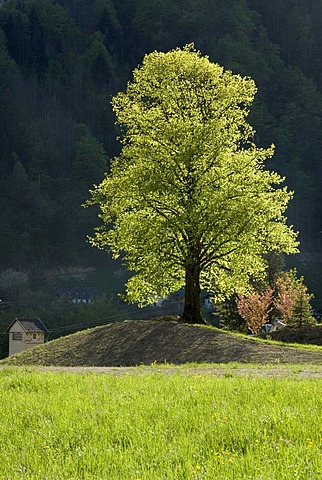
x=19, y=340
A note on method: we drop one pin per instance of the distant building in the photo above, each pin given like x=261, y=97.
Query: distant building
x=25, y=333
x=78, y=294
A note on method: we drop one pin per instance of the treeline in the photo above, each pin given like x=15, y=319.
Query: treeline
x=60, y=63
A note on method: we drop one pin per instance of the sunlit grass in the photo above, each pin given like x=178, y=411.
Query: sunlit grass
x=267, y=341
x=155, y=426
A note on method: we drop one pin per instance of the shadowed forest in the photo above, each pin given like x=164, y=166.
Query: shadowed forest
x=60, y=63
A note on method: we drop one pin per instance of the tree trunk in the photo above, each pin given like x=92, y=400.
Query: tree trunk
x=191, y=312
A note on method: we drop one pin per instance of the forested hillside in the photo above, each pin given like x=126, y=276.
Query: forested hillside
x=60, y=63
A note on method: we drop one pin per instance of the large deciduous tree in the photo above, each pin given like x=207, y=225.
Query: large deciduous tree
x=188, y=201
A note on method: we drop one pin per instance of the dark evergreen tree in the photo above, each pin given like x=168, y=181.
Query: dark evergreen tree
x=38, y=60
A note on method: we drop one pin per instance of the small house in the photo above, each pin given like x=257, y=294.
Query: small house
x=25, y=333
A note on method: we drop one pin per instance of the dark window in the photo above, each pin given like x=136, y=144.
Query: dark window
x=17, y=336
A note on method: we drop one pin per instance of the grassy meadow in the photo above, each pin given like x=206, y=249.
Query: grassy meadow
x=152, y=425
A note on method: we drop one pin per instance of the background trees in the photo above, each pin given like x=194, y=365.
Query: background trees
x=286, y=299
x=292, y=301
x=60, y=63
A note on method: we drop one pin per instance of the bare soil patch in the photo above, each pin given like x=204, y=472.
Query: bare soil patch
x=250, y=371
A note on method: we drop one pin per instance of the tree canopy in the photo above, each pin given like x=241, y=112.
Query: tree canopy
x=188, y=201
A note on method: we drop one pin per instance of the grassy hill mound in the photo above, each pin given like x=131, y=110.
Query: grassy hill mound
x=132, y=343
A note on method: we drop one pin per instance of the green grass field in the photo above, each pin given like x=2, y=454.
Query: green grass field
x=158, y=426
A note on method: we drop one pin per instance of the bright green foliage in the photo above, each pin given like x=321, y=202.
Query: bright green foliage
x=188, y=198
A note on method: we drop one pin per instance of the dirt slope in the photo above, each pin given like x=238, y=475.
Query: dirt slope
x=132, y=343
x=309, y=334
